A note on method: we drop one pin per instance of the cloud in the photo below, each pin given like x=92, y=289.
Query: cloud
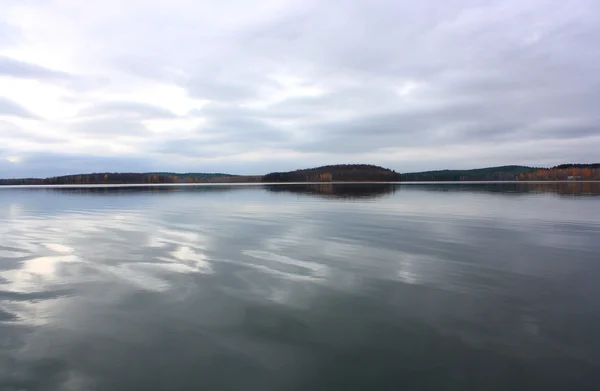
x=287, y=83
x=106, y=128
x=10, y=108
x=7, y=34
x=15, y=68
x=45, y=164
x=126, y=110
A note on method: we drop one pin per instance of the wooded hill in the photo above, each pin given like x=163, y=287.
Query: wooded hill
x=510, y=173
x=502, y=173
x=336, y=173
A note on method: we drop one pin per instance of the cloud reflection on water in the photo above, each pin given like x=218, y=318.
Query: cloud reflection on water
x=259, y=282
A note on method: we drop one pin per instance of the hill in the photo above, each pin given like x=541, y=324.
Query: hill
x=510, y=173
x=336, y=173
x=501, y=173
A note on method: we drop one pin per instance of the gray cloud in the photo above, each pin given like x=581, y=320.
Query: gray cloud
x=11, y=132
x=10, y=108
x=398, y=83
x=126, y=110
x=11, y=67
x=44, y=164
x=225, y=136
x=233, y=88
x=109, y=127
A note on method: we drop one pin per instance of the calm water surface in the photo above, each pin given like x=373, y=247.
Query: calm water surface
x=362, y=287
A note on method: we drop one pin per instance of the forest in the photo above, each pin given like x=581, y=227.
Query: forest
x=563, y=172
x=510, y=173
x=502, y=173
x=132, y=178
x=336, y=173
x=331, y=173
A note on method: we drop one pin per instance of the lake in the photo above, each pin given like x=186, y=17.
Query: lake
x=301, y=287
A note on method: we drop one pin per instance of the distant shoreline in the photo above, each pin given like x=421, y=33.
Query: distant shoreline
x=254, y=184
x=340, y=173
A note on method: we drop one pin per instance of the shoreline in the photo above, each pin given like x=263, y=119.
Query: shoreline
x=250, y=184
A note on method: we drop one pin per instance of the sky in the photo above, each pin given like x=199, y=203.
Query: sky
x=249, y=87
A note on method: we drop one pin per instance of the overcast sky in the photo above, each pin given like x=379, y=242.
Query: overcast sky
x=254, y=86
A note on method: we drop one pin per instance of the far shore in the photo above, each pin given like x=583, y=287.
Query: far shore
x=339, y=173
x=116, y=185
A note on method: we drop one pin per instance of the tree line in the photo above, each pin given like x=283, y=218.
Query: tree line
x=330, y=173
x=131, y=178
x=564, y=172
x=502, y=173
x=511, y=173
x=336, y=173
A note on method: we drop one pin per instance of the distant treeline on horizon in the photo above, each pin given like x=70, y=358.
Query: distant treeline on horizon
x=511, y=173
x=331, y=173
x=132, y=178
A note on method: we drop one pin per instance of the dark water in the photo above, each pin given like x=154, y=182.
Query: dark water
x=411, y=287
